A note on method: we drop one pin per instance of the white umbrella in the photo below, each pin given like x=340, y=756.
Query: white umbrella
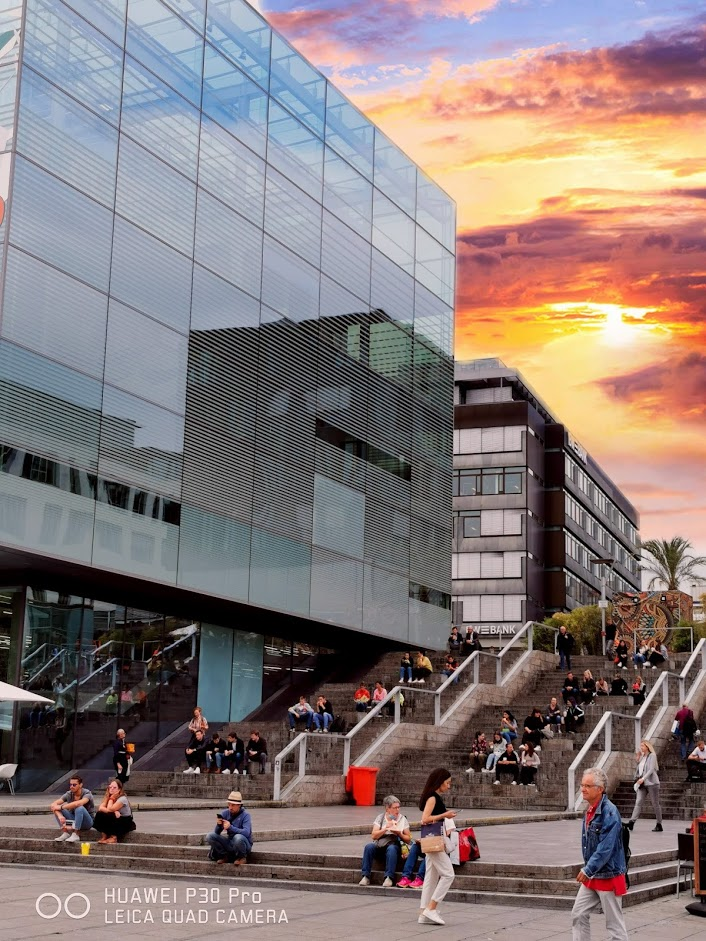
x=16, y=694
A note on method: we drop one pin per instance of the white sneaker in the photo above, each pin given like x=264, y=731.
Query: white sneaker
x=187, y=770
x=433, y=916
x=514, y=783
x=469, y=771
x=388, y=883
x=423, y=920
x=74, y=838
x=62, y=838
x=197, y=770
x=225, y=771
x=364, y=881
x=235, y=771
x=496, y=782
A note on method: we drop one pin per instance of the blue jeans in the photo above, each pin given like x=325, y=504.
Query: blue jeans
x=406, y=674
x=491, y=761
x=211, y=755
x=371, y=851
x=307, y=718
x=564, y=660
x=449, y=673
x=509, y=736
x=638, y=659
x=411, y=861
x=687, y=745
x=80, y=818
x=222, y=846
x=323, y=719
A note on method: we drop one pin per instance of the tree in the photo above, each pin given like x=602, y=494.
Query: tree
x=671, y=562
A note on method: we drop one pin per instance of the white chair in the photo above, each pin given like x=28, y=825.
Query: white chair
x=7, y=773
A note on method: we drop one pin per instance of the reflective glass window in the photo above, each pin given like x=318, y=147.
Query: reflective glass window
x=54, y=314
x=435, y=267
x=8, y=100
x=292, y=217
x=61, y=225
x=390, y=351
x=393, y=232
x=295, y=151
x=155, y=197
x=141, y=443
x=336, y=588
x=234, y=101
x=49, y=408
x=347, y=194
x=231, y=171
x=238, y=32
x=436, y=212
x=146, y=358
x=289, y=285
x=64, y=137
x=75, y=56
x=218, y=305
x=214, y=553
x=392, y=290
x=228, y=244
x=149, y=275
x=349, y=132
x=297, y=85
x=280, y=572
x=107, y=15
x=339, y=517
x=395, y=174
x=433, y=319
x=345, y=257
x=159, y=119
x=166, y=45
x=193, y=11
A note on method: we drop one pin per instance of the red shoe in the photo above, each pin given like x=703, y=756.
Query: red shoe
x=403, y=883
x=417, y=883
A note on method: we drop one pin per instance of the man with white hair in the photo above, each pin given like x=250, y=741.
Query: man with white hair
x=602, y=877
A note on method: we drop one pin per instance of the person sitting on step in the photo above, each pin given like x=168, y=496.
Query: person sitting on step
x=638, y=691
x=553, y=716
x=602, y=687
x=232, y=839
x=195, y=752
x=508, y=763
x=618, y=686
x=422, y=668
x=508, y=726
x=497, y=748
x=532, y=729
x=409, y=880
x=450, y=666
x=529, y=763
x=570, y=687
x=323, y=715
x=696, y=763
x=74, y=811
x=361, y=698
x=233, y=754
x=574, y=716
x=657, y=656
x=406, y=668
x=390, y=830
x=621, y=655
x=300, y=712
x=588, y=688
x=479, y=753
x=214, y=754
x=114, y=816
x=256, y=750
x=640, y=656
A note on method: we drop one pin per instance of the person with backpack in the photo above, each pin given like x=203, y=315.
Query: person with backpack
x=685, y=729
x=602, y=878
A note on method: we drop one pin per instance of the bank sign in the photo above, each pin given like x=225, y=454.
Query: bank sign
x=496, y=630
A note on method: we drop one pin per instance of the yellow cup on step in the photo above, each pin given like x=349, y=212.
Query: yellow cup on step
x=85, y=849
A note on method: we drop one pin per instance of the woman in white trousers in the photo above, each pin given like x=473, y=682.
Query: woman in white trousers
x=440, y=873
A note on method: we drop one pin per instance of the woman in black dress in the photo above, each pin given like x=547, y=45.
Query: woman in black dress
x=440, y=873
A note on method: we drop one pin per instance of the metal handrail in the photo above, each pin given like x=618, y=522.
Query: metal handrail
x=31, y=656
x=607, y=720
x=300, y=742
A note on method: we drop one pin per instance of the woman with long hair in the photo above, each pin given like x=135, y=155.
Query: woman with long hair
x=199, y=723
x=440, y=872
x=646, y=782
x=114, y=817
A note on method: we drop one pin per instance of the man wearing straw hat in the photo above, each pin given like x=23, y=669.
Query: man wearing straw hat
x=231, y=841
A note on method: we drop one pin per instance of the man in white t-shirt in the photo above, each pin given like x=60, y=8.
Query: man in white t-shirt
x=390, y=830
x=696, y=763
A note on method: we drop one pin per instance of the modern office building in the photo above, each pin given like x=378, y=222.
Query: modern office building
x=531, y=509
x=225, y=371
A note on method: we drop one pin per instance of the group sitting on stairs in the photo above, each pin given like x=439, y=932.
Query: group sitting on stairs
x=222, y=756
x=75, y=813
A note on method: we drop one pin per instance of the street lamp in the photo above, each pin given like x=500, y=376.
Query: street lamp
x=603, y=603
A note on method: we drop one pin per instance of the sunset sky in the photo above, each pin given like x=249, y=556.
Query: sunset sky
x=573, y=138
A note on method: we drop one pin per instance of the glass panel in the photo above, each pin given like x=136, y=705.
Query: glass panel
x=42, y=205
x=141, y=443
x=246, y=674
x=214, y=553
x=58, y=133
x=347, y=195
x=289, y=285
x=336, y=588
x=395, y=174
x=234, y=101
x=434, y=267
x=349, y=132
x=292, y=217
x=297, y=85
x=128, y=542
x=228, y=244
x=145, y=358
x=163, y=42
x=436, y=212
x=215, y=660
x=217, y=305
x=295, y=151
x=235, y=28
x=231, y=172
x=107, y=15
x=40, y=312
x=280, y=572
x=393, y=232
x=193, y=11
x=155, y=197
x=339, y=517
x=150, y=276
x=433, y=320
x=156, y=117
x=73, y=55
x=345, y=256
x=392, y=291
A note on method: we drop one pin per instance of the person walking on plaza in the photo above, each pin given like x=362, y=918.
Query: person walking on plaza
x=646, y=782
x=74, y=811
x=602, y=876
x=120, y=757
x=564, y=647
x=439, y=874
x=231, y=840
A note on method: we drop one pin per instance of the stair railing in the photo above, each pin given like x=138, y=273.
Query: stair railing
x=698, y=658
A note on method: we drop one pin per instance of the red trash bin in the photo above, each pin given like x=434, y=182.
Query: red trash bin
x=361, y=783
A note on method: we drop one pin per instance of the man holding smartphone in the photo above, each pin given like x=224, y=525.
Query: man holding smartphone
x=231, y=841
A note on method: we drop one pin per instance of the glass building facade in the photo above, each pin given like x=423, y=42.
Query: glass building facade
x=226, y=336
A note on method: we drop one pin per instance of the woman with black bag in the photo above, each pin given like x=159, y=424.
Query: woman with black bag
x=114, y=817
x=440, y=873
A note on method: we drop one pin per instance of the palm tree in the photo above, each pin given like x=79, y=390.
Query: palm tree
x=671, y=562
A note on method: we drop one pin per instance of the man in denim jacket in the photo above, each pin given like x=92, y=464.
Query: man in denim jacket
x=602, y=878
